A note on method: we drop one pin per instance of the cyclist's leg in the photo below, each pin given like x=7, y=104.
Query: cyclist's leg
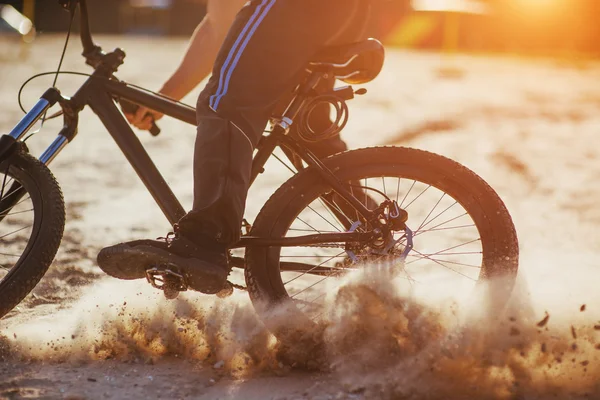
x=267, y=47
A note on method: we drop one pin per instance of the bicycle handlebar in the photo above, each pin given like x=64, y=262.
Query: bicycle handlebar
x=85, y=33
x=90, y=50
x=93, y=53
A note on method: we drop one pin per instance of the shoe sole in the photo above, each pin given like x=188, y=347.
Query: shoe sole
x=126, y=262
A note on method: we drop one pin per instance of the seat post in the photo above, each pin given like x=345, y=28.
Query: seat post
x=303, y=93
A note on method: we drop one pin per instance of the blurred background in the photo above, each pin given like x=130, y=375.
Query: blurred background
x=563, y=27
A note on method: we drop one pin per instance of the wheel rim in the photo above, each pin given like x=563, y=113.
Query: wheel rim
x=448, y=250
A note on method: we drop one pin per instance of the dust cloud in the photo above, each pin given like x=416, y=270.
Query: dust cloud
x=131, y=321
x=394, y=348
x=374, y=341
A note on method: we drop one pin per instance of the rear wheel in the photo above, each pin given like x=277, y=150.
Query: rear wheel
x=32, y=219
x=463, y=234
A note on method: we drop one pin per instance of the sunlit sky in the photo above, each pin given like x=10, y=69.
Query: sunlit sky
x=468, y=6
x=531, y=7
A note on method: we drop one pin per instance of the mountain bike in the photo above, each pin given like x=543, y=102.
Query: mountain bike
x=430, y=220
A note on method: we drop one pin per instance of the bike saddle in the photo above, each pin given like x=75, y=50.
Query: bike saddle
x=353, y=63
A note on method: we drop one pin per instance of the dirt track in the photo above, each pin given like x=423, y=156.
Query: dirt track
x=530, y=128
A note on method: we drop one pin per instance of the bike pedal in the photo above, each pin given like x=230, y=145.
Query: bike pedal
x=226, y=291
x=167, y=280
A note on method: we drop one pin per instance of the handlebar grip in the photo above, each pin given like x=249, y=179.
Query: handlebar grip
x=131, y=108
x=154, y=129
x=84, y=31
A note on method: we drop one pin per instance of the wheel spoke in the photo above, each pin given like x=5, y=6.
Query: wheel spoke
x=445, y=266
x=407, y=193
x=338, y=209
x=415, y=199
x=10, y=194
x=315, y=256
x=10, y=255
x=18, y=230
x=4, y=181
x=446, y=261
x=25, y=199
x=324, y=219
x=311, y=286
x=430, y=212
x=457, y=246
x=315, y=267
x=305, y=303
x=17, y=212
x=319, y=271
x=330, y=213
x=309, y=230
x=434, y=218
x=284, y=164
x=458, y=253
x=450, y=227
x=310, y=302
x=312, y=227
x=438, y=225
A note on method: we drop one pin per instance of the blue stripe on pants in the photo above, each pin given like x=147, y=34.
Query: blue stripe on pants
x=263, y=10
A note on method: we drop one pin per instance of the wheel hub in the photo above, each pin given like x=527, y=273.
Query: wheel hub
x=384, y=244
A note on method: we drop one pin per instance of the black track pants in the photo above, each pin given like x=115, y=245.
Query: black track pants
x=266, y=49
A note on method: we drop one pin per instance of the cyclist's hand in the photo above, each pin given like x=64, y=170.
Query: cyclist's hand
x=143, y=117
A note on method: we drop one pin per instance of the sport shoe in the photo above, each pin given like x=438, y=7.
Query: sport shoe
x=204, y=267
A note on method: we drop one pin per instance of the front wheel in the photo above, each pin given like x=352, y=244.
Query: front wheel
x=462, y=233
x=32, y=220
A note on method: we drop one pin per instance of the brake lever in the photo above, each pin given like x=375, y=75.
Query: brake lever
x=130, y=108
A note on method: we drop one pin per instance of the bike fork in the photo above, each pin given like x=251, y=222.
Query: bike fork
x=9, y=144
x=48, y=99
x=55, y=147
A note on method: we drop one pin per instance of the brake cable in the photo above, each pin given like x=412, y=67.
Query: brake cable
x=62, y=57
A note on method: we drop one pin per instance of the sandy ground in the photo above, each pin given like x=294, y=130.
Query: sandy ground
x=528, y=127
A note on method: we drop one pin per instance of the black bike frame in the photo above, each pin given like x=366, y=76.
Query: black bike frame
x=102, y=89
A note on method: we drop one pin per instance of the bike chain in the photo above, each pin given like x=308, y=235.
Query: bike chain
x=328, y=245
x=239, y=287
